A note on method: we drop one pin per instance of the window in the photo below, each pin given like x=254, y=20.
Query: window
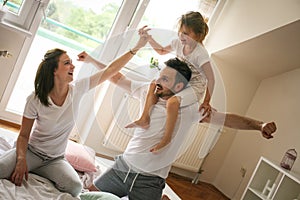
x=12, y=6
x=21, y=12
x=83, y=27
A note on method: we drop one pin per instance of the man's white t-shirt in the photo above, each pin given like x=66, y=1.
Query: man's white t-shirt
x=53, y=124
x=137, y=154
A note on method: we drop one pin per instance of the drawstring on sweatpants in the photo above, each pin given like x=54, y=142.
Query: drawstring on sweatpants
x=133, y=182
x=126, y=176
x=128, y=172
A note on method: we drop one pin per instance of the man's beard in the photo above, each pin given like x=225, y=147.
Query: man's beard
x=167, y=93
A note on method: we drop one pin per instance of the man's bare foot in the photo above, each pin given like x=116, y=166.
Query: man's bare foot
x=165, y=197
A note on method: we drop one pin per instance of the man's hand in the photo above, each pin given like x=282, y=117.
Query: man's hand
x=267, y=129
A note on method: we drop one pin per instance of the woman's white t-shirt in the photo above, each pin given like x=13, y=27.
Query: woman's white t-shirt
x=53, y=124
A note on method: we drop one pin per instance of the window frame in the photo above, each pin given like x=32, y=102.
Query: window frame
x=122, y=23
x=23, y=20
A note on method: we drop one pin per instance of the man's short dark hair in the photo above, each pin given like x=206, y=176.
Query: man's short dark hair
x=184, y=73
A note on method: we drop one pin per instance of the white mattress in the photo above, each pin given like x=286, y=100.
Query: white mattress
x=40, y=188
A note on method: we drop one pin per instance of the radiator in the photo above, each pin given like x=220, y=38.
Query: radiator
x=117, y=137
x=204, y=141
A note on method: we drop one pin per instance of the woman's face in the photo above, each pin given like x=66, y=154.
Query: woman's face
x=65, y=69
x=187, y=36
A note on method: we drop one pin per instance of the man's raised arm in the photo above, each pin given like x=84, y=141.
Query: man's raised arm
x=241, y=123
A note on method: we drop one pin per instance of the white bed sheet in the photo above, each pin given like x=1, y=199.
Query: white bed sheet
x=40, y=188
x=35, y=188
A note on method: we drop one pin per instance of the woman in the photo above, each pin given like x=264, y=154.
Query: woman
x=48, y=119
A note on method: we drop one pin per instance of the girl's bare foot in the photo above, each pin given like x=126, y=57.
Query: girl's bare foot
x=159, y=146
x=140, y=123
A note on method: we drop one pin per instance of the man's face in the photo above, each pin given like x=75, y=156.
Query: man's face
x=165, y=83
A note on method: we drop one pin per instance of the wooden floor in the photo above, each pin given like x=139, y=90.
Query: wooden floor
x=186, y=190
x=182, y=186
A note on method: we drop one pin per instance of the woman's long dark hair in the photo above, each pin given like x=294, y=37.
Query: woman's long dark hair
x=44, y=78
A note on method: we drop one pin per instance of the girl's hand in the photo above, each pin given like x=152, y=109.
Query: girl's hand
x=205, y=106
x=19, y=173
x=144, y=38
x=144, y=31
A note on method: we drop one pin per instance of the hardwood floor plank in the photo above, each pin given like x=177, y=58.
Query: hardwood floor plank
x=186, y=190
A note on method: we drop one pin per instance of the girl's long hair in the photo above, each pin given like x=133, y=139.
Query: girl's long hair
x=196, y=22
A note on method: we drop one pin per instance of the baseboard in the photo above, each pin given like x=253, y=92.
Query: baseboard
x=104, y=156
x=10, y=124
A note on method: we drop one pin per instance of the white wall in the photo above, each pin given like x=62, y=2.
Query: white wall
x=276, y=99
x=241, y=20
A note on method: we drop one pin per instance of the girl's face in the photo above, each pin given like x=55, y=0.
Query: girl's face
x=187, y=36
x=65, y=69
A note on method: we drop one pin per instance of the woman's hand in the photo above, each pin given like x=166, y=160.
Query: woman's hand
x=21, y=170
x=84, y=56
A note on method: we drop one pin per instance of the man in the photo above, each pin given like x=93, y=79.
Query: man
x=139, y=173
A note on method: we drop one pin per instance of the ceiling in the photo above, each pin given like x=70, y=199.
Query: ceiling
x=267, y=55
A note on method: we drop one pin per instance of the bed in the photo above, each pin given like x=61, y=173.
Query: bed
x=88, y=166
